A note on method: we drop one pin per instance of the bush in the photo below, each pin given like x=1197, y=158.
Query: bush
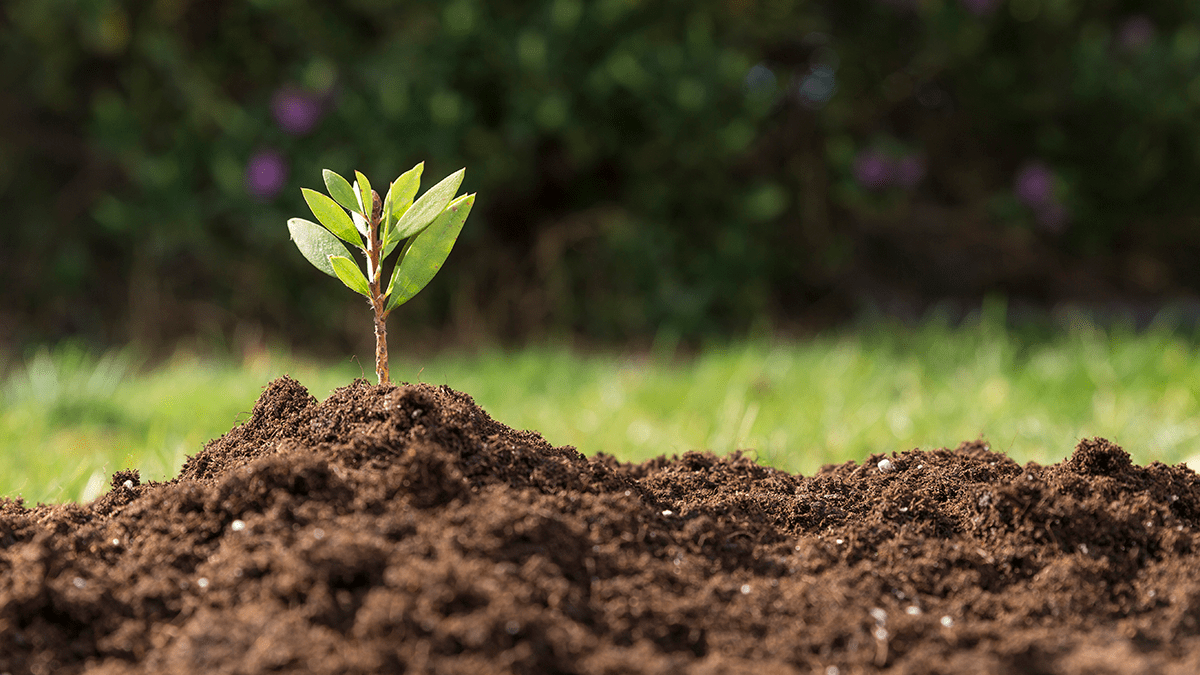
x=642, y=166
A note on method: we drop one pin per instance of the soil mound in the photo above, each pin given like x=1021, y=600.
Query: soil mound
x=401, y=529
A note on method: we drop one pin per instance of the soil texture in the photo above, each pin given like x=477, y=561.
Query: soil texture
x=396, y=529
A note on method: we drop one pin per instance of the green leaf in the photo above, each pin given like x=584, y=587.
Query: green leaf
x=316, y=243
x=350, y=274
x=423, y=255
x=364, y=190
x=403, y=189
x=332, y=216
x=340, y=189
x=399, y=199
x=429, y=206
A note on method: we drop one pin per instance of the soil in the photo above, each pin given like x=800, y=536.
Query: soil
x=401, y=529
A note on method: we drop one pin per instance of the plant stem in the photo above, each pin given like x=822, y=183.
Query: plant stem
x=381, y=356
x=375, y=282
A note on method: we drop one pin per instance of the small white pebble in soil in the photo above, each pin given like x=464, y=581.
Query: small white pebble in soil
x=833, y=670
x=920, y=466
x=881, y=633
x=116, y=542
x=128, y=484
x=1083, y=549
x=78, y=582
x=745, y=589
x=202, y=582
x=879, y=615
x=886, y=466
x=912, y=610
x=903, y=509
x=668, y=512
x=947, y=621
x=839, y=541
x=237, y=525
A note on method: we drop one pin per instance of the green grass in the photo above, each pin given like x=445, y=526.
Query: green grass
x=69, y=420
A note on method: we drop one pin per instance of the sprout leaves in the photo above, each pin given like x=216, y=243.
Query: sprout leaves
x=423, y=255
x=317, y=244
x=364, y=193
x=402, y=191
x=399, y=199
x=339, y=188
x=332, y=216
x=350, y=275
x=431, y=225
x=429, y=206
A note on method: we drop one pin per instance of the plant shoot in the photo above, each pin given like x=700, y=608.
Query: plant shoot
x=354, y=214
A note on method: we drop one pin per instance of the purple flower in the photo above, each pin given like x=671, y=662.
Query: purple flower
x=296, y=112
x=1135, y=33
x=1034, y=185
x=266, y=172
x=874, y=170
x=980, y=7
x=909, y=171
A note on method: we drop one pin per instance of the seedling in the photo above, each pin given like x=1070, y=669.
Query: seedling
x=356, y=215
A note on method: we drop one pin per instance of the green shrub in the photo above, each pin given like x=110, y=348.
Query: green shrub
x=649, y=165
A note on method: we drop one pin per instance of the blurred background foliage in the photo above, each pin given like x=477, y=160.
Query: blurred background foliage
x=645, y=167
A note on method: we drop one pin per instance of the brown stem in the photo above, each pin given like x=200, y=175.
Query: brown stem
x=381, y=359
x=378, y=302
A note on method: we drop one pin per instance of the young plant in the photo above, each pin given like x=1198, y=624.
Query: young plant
x=356, y=215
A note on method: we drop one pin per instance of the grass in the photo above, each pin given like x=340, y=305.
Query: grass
x=68, y=419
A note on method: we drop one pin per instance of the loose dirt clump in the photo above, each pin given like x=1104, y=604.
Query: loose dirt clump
x=400, y=529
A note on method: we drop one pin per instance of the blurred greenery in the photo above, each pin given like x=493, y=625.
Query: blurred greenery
x=68, y=420
x=642, y=165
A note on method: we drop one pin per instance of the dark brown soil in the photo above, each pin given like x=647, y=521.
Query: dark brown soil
x=401, y=529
